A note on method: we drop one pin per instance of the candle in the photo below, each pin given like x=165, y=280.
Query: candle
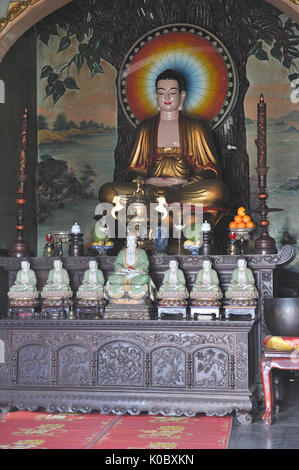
x=24, y=132
x=261, y=135
x=76, y=228
x=206, y=227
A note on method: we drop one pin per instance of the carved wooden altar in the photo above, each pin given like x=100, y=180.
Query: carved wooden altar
x=162, y=367
x=177, y=367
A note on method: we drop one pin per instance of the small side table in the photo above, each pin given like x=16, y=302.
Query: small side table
x=271, y=359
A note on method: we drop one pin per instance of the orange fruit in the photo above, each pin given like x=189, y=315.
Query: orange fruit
x=238, y=219
x=246, y=219
x=241, y=211
x=241, y=225
x=233, y=225
x=250, y=224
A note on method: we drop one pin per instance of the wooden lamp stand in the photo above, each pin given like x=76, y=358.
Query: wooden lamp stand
x=264, y=244
x=20, y=247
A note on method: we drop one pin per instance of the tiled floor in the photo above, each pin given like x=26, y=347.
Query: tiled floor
x=283, y=432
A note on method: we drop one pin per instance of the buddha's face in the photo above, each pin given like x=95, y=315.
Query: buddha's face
x=92, y=265
x=168, y=95
x=25, y=265
x=241, y=264
x=57, y=265
x=131, y=242
x=206, y=265
x=173, y=265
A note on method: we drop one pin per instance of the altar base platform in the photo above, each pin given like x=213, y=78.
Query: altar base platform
x=172, y=368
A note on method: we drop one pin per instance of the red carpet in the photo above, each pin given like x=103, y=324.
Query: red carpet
x=40, y=430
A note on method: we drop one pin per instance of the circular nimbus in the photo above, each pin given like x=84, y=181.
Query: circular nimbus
x=209, y=71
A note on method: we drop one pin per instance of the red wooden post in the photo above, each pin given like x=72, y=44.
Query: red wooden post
x=266, y=370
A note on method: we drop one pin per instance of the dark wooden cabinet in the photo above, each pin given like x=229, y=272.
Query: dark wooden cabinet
x=169, y=367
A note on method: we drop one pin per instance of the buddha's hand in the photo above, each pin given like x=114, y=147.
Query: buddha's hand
x=195, y=179
x=246, y=286
x=212, y=286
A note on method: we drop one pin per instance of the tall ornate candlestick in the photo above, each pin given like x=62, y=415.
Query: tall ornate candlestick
x=20, y=247
x=264, y=244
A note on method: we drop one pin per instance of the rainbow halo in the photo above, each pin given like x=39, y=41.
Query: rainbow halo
x=208, y=69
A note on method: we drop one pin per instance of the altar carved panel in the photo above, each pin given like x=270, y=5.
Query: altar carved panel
x=211, y=368
x=168, y=367
x=33, y=365
x=73, y=366
x=120, y=363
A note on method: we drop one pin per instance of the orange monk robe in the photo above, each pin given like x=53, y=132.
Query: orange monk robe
x=196, y=144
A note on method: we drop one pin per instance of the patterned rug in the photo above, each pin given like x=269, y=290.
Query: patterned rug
x=40, y=430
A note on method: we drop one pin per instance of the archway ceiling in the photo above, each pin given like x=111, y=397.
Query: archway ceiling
x=22, y=15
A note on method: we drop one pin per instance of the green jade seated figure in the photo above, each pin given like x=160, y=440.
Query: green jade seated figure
x=242, y=286
x=173, y=290
x=131, y=275
x=25, y=284
x=92, y=286
x=206, y=288
x=58, y=283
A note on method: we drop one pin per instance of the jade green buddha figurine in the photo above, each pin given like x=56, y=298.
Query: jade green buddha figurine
x=92, y=286
x=242, y=286
x=25, y=284
x=131, y=273
x=206, y=287
x=174, y=285
x=58, y=283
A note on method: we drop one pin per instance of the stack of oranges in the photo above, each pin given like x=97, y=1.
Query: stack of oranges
x=242, y=220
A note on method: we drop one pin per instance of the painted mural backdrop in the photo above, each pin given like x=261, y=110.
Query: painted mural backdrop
x=74, y=131
x=271, y=79
x=77, y=136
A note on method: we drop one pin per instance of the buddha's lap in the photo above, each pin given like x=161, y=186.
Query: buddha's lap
x=55, y=288
x=205, y=191
x=116, y=279
x=169, y=289
x=205, y=289
x=22, y=289
x=240, y=288
x=90, y=288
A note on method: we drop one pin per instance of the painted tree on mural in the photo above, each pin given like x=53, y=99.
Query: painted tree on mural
x=96, y=26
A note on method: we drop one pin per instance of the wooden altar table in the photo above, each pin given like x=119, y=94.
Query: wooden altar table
x=177, y=367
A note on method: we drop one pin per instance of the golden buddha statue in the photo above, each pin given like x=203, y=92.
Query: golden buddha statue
x=173, y=154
